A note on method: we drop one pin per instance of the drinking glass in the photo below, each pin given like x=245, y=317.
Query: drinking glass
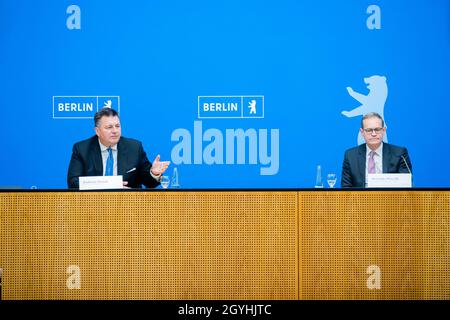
x=165, y=182
x=331, y=179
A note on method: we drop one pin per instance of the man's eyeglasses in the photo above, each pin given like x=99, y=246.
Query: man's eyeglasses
x=370, y=130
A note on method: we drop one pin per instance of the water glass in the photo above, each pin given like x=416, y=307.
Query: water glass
x=165, y=182
x=331, y=179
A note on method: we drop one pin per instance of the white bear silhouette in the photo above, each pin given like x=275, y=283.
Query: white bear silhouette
x=373, y=102
x=252, y=106
x=107, y=104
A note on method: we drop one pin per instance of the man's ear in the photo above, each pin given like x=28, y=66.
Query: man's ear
x=361, y=130
x=96, y=130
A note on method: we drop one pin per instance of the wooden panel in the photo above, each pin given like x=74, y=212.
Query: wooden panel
x=348, y=240
x=226, y=245
x=149, y=245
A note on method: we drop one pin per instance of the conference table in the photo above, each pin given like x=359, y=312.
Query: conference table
x=225, y=244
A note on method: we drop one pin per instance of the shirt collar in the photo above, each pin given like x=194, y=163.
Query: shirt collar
x=378, y=150
x=104, y=148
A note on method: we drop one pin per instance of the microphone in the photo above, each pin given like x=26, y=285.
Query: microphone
x=406, y=162
x=407, y=166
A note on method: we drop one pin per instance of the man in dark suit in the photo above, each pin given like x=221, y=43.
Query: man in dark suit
x=108, y=153
x=374, y=156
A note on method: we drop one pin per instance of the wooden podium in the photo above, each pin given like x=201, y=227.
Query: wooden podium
x=228, y=245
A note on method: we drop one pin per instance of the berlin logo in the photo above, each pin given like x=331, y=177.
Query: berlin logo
x=230, y=107
x=82, y=107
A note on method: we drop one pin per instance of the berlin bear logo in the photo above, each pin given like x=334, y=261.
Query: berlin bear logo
x=372, y=102
x=252, y=106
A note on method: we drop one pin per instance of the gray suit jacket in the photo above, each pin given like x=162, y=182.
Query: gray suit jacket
x=354, y=166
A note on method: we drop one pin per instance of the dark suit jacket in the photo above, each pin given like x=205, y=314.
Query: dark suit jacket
x=87, y=161
x=354, y=166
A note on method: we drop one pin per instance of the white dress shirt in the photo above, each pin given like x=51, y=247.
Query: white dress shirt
x=105, y=154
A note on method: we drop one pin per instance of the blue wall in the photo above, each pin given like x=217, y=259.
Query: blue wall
x=159, y=57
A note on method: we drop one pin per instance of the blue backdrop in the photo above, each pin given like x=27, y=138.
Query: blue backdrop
x=185, y=75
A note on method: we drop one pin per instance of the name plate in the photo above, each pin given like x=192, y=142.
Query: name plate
x=389, y=180
x=101, y=182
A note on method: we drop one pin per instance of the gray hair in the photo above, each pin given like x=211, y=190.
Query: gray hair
x=371, y=115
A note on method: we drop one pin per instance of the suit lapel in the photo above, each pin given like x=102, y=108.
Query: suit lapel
x=122, y=157
x=386, y=157
x=362, y=162
x=96, y=156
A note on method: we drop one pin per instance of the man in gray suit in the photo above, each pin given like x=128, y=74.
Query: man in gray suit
x=374, y=156
x=108, y=153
